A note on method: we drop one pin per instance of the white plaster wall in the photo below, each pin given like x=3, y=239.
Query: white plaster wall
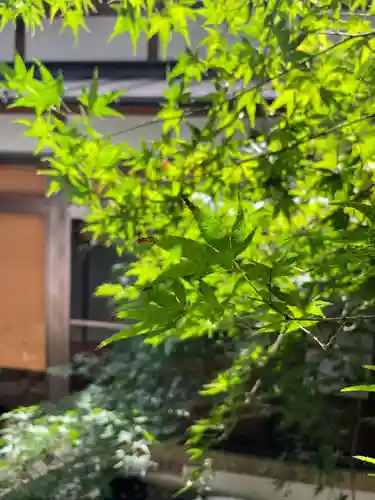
x=7, y=43
x=177, y=44
x=135, y=129
x=52, y=44
x=197, y=34
x=130, y=129
x=11, y=138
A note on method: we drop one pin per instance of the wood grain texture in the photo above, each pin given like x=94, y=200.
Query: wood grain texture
x=58, y=262
x=22, y=291
x=21, y=180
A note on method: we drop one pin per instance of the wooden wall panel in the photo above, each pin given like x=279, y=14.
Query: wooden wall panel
x=21, y=180
x=22, y=291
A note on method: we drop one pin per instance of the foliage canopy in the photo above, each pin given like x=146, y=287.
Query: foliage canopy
x=262, y=216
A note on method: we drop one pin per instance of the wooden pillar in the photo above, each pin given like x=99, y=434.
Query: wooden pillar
x=153, y=49
x=20, y=38
x=58, y=262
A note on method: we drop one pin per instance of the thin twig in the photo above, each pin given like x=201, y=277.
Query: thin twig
x=268, y=302
x=257, y=86
x=272, y=351
x=308, y=138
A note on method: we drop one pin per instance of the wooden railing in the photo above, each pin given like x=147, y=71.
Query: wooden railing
x=106, y=325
